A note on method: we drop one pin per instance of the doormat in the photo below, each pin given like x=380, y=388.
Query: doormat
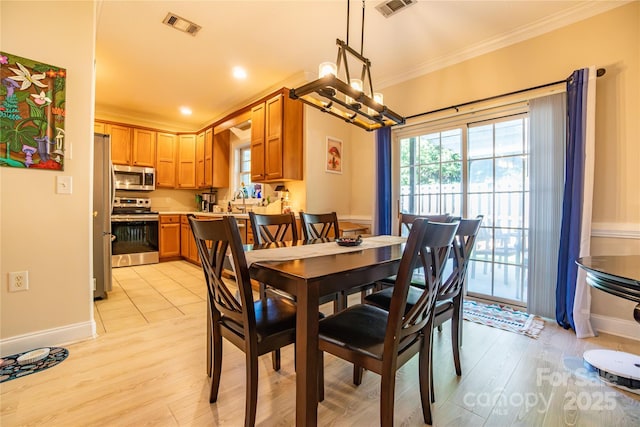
x=10, y=368
x=503, y=317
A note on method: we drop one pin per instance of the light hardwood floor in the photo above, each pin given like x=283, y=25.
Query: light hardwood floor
x=147, y=367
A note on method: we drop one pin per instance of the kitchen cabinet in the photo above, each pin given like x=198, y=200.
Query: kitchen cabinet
x=248, y=238
x=257, y=142
x=220, y=158
x=130, y=145
x=200, y=166
x=144, y=148
x=169, y=236
x=166, y=154
x=120, y=143
x=188, y=248
x=187, y=161
x=212, y=159
x=276, y=139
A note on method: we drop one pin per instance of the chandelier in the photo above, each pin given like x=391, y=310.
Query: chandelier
x=354, y=102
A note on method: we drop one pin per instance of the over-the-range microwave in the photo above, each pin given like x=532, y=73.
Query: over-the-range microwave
x=134, y=178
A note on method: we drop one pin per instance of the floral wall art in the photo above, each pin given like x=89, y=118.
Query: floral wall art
x=32, y=112
x=334, y=155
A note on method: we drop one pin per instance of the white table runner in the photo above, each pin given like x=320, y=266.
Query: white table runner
x=319, y=249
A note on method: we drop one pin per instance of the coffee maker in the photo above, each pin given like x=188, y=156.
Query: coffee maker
x=208, y=201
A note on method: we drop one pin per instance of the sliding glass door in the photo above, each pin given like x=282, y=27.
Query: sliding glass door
x=470, y=169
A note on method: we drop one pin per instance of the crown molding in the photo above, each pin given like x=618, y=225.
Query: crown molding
x=569, y=16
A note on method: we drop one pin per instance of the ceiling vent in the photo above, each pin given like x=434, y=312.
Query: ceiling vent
x=391, y=7
x=181, y=24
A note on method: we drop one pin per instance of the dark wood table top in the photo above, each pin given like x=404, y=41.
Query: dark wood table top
x=351, y=268
x=617, y=275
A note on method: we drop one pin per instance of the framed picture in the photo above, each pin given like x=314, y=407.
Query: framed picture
x=333, y=162
x=32, y=112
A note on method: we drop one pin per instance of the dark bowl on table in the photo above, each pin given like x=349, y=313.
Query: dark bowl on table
x=349, y=241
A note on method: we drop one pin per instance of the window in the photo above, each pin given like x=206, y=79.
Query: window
x=244, y=166
x=475, y=168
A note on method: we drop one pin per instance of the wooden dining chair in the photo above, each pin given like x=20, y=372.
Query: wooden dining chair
x=382, y=341
x=325, y=226
x=450, y=300
x=255, y=327
x=273, y=228
x=319, y=226
x=405, y=220
x=451, y=294
x=269, y=228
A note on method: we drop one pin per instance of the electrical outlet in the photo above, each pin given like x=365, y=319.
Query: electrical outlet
x=18, y=281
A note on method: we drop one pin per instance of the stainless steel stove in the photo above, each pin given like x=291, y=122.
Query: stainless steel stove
x=135, y=229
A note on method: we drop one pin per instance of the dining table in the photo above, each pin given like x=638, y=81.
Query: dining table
x=310, y=270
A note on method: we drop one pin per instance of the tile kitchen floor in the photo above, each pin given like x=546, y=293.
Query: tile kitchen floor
x=150, y=293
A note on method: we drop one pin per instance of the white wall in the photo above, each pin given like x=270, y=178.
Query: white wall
x=45, y=233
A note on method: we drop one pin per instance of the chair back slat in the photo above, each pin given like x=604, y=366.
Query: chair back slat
x=428, y=246
x=463, y=244
x=216, y=240
x=273, y=228
x=319, y=226
x=406, y=220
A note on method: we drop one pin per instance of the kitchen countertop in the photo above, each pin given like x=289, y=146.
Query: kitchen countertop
x=238, y=215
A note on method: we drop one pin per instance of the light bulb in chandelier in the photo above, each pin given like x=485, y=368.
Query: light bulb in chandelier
x=327, y=68
x=357, y=85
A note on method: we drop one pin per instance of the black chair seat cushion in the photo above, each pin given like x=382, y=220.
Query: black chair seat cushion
x=273, y=316
x=383, y=299
x=359, y=328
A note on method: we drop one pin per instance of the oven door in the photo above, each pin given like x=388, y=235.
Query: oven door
x=135, y=239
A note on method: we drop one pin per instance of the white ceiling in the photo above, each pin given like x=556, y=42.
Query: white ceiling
x=146, y=70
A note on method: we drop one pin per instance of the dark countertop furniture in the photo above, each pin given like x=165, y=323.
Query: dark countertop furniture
x=309, y=279
x=616, y=275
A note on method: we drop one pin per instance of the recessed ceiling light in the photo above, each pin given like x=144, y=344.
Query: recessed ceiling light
x=186, y=111
x=239, y=73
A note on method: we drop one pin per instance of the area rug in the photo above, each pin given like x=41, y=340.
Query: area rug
x=503, y=317
x=11, y=369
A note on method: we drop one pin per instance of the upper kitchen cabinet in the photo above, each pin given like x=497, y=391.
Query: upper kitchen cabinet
x=120, y=143
x=276, y=139
x=187, y=161
x=129, y=145
x=200, y=166
x=212, y=159
x=166, y=154
x=220, y=159
x=144, y=148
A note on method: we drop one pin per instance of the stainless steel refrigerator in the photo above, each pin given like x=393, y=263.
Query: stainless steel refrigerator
x=103, y=193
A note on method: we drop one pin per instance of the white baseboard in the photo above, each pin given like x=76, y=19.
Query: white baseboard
x=615, y=326
x=48, y=338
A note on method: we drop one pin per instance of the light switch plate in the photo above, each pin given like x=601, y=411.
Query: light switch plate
x=63, y=184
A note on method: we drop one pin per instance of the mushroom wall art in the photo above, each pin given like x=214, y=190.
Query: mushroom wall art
x=334, y=155
x=32, y=113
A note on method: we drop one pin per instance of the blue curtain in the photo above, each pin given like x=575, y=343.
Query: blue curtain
x=570, y=232
x=383, y=180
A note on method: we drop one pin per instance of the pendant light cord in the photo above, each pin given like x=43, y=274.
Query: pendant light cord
x=362, y=32
x=348, y=9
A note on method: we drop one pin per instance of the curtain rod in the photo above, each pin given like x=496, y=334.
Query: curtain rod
x=600, y=72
